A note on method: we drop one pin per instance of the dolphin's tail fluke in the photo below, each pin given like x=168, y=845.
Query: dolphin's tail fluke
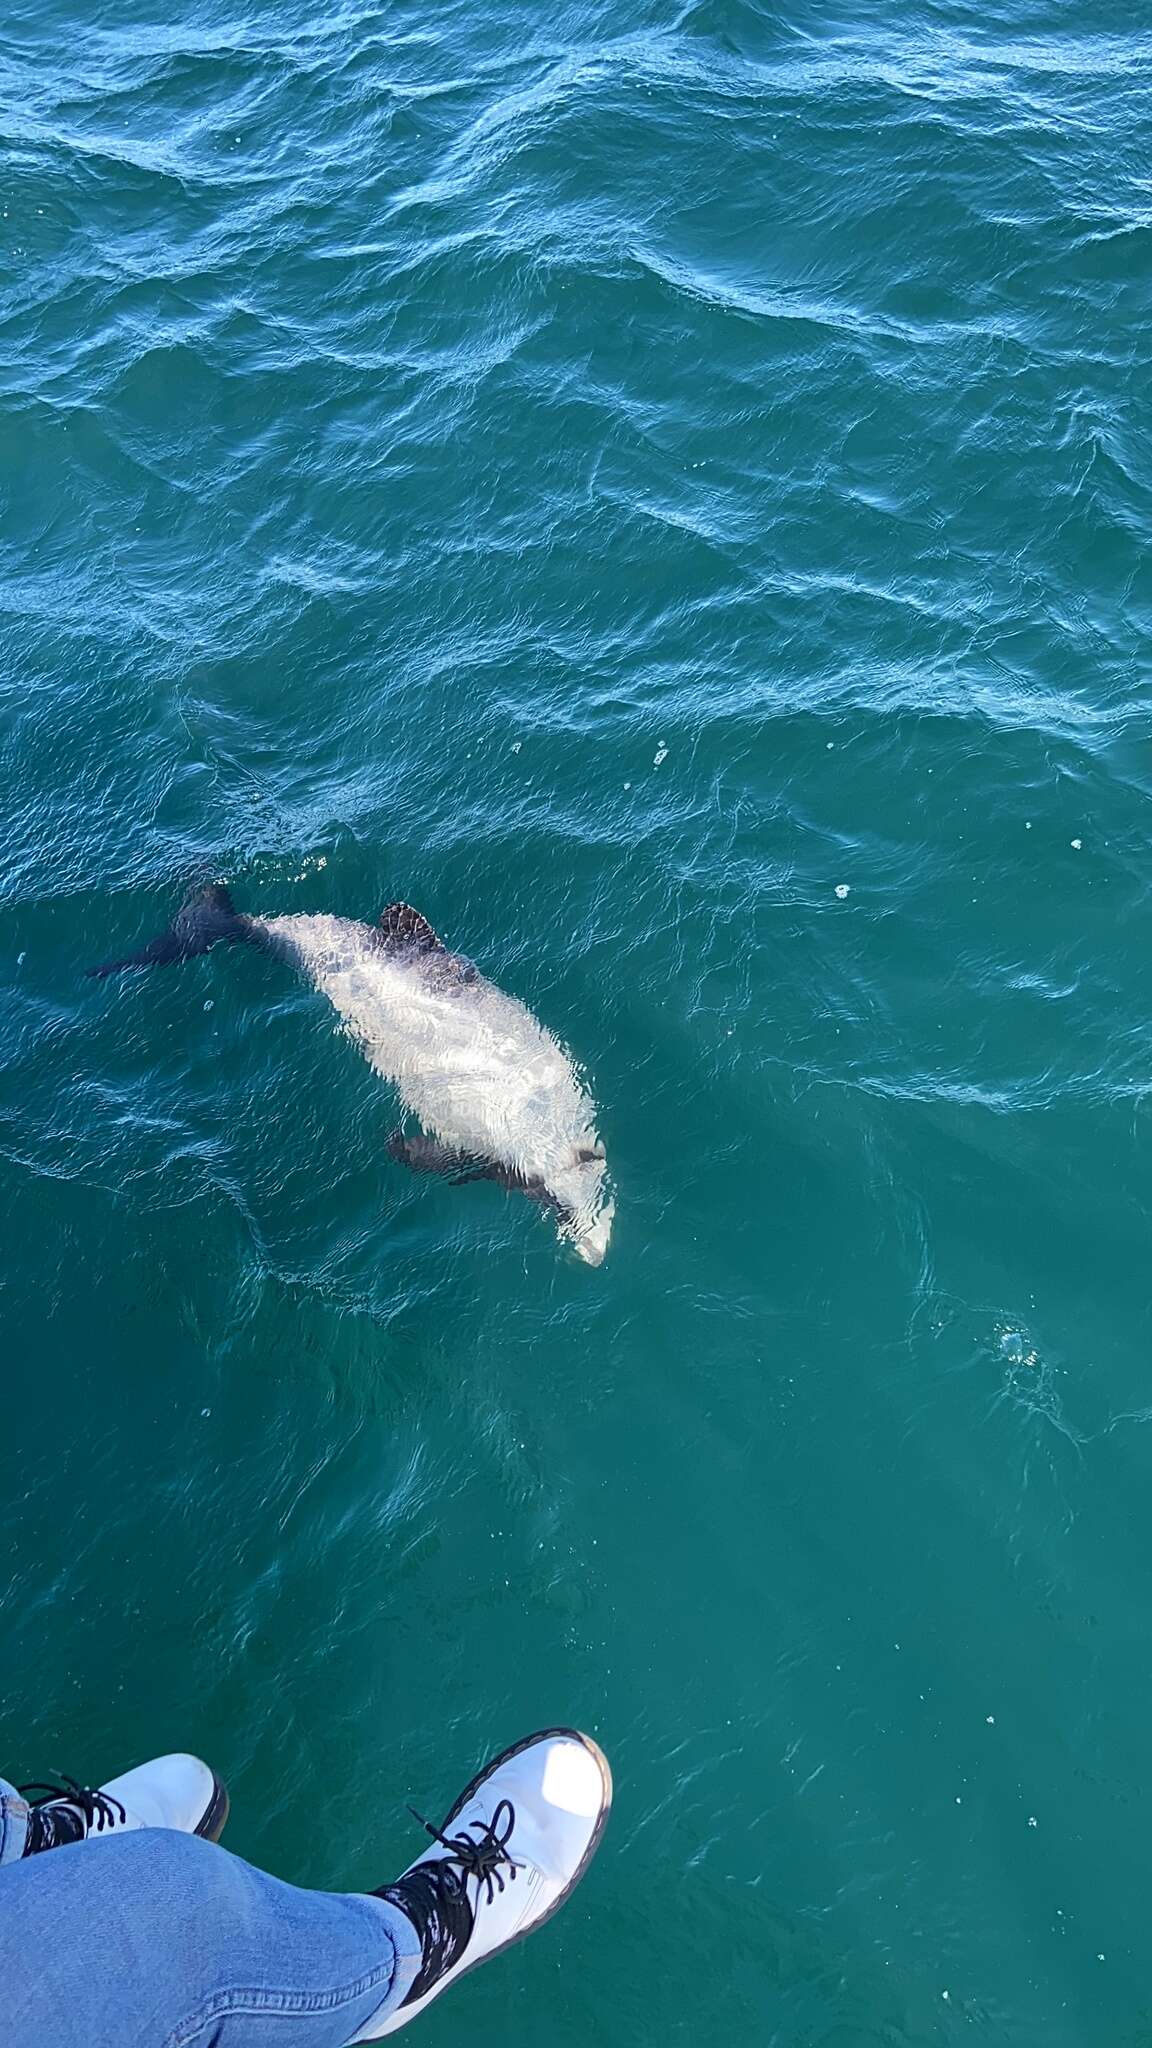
x=207, y=919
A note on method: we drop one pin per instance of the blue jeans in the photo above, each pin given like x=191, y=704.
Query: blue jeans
x=159, y=1940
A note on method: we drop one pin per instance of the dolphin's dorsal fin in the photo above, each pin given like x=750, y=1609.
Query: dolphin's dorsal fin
x=404, y=928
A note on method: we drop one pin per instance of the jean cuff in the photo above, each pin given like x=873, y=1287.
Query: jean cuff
x=13, y=1823
x=409, y=1954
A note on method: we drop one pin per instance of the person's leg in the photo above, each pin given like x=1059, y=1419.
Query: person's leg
x=160, y=1940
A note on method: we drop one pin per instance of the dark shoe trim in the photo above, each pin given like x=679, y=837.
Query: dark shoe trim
x=214, y=1820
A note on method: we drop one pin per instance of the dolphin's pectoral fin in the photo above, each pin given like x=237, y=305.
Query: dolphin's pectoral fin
x=428, y=1155
x=402, y=927
x=207, y=919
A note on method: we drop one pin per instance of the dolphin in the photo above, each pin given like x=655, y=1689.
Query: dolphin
x=497, y=1095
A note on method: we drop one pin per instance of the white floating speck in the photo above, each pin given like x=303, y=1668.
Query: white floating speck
x=958, y=1800
x=991, y=1720
x=1032, y=1820
x=20, y=959
x=516, y=746
x=831, y=744
x=1077, y=843
x=205, y=1411
x=661, y=754
x=208, y=1004
x=627, y=785
x=944, y=1994
x=841, y=890
x=1099, y=1957
x=1027, y=824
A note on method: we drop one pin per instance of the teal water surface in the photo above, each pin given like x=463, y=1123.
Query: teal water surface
x=665, y=489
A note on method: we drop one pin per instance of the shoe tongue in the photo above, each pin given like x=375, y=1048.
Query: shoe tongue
x=434, y=1897
x=52, y=1825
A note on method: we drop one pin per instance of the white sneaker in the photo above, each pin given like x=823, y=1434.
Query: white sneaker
x=171, y=1792
x=510, y=1852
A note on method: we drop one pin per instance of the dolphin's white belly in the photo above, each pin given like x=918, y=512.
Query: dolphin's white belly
x=471, y=1062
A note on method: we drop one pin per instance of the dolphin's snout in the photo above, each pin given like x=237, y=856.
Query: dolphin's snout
x=592, y=1243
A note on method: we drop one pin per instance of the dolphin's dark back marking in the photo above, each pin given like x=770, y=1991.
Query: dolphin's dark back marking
x=207, y=919
x=404, y=930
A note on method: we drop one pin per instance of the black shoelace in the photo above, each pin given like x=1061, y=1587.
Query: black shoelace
x=482, y=1858
x=66, y=1813
x=434, y=1895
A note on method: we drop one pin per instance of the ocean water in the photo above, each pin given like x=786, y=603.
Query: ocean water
x=664, y=488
